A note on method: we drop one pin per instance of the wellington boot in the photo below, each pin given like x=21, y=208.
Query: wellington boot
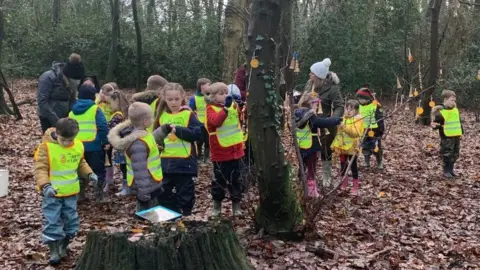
x=54, y=256
x=356, y=187
x=236, y=210
x=63, y=247
x=217, y=209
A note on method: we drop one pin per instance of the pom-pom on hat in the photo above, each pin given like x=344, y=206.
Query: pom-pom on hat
x=320, y=69
x=87, y=92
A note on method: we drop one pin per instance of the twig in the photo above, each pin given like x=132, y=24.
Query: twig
x=23, y=102
x=378, y=253
x=3, y=83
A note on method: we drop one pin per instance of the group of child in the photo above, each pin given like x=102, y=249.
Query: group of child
x=156, y=142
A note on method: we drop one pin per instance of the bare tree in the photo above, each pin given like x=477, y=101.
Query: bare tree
x=113, y=56
x=139, y=45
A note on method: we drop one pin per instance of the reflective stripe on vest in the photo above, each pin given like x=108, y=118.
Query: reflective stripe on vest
x=87, y=124
x=368, y=114
x=153, y=107
x=230, y=133
x=154, y=164
x=177, y=148
x=304, y=137
x=452, y=126
x=63, y=165
x=201, y=108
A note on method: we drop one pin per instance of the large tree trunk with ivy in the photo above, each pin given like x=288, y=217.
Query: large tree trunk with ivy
x=138, y=33
x=192, y=245
x=113, y=56
x=279, y=211
x=233, y=33
x=425, y=118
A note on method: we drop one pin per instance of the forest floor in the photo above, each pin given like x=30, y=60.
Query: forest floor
x=407, y=217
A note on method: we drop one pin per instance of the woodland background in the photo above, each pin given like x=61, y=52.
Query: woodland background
x=368, y=41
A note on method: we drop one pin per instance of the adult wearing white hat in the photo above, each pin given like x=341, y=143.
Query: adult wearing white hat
x=326, y=85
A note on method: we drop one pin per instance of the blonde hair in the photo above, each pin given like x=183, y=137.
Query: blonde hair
x=156, y=82
x=214, y=90
x=138, y=112
x=122, y=102
x=306, y=99
x=108, y=88
x=74, y=58
x=162, y=104
x=448, y=94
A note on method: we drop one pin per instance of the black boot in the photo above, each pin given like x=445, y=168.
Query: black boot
x=54, y=256
x=63, y=247
x=379, y=158
x=452, y=172
x=446, y=170
x=367, y=161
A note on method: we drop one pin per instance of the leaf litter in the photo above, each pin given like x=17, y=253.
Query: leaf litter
x=407, y=217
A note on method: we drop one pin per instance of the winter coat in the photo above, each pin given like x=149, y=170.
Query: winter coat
x=118, y=156
x=330, y=96
x=191, y=101
x=124, y=137
x=147, y=96
x=241, y=77
x=438, y=118
x=354, y=130
x=54, y=96
x=304, y=116
x=80, y=107
x=191, y=133
x=217, y=152
x=42, y=166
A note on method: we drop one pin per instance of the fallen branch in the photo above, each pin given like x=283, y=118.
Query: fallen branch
x=379, y=253
x=23, y=102
x=322, y=252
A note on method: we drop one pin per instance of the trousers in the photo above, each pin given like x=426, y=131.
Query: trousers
x=227, y=176
x=60, y=218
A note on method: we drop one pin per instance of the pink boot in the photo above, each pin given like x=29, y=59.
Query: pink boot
x=356, y=186
x=345, y=183
x=312, y=188
x=108, y=179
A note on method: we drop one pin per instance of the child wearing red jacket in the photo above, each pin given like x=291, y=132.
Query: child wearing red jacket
x=226, y=147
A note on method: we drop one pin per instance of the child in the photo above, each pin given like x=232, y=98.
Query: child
x=449, y=124
x=179, y=167
x=226, y=147
x=347, y=142
x=93, y=133
x=308, y=124
x=119, y=105
x=144, y=170
x=152, y=94
x=198, y=105
x=372, y=118
x=57, y=160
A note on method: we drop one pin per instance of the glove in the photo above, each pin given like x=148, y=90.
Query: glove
x=143, y=196
x=93, y=178
x=166, y=128
x=228, y=101
x=49, y=191
x=237, y=98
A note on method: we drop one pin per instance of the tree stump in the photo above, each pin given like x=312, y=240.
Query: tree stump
x=193, y=245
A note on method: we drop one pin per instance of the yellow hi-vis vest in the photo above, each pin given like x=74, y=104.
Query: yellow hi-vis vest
x=177, y=148
x=63, y=165
x=343, y=142
x=368, y=114
x=153, y=107
x=154, y=164
x=230, y=133
x=87, y=124
x=304, y=137
x=201, y=108
x=452, y=126
x=106, y=109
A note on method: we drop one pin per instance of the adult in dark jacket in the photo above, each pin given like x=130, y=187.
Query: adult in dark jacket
x=326, y=86
x=56, y=91
x=241, y=78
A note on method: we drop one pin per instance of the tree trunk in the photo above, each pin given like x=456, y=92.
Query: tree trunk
x=425, y=118
x=113, y=56
x=139, y=46
x=55, y=21
x=233, y=37
x=4, y=109
x=199, y=245
x=197, y=12
x=278, y=212
x=150, y=13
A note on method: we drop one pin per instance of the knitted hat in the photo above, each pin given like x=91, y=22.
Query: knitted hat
x=87, y=92
x=320, y=69
x=74, y=70
x=365, y=93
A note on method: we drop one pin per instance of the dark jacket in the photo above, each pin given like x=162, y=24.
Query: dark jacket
x=304, y=116
x=54, y=98
x=191, y=133
x=330, y=95
x=191, y=102
x=124, y=137
x=80, y=107
x=438, y=118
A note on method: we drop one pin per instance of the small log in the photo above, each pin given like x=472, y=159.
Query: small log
x=322, y=252
x=194, y=245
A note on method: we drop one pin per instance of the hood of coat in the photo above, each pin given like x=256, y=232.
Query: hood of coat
x=82, y=105
x=437, y=108
x=332, y=79
x=147, y=96
x=57, y=68
x=123, y=135
x=50, y=136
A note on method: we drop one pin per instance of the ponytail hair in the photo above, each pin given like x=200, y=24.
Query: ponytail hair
x=122, y=102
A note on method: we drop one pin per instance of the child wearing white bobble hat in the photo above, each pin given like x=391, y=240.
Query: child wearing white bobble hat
x=325, y=85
